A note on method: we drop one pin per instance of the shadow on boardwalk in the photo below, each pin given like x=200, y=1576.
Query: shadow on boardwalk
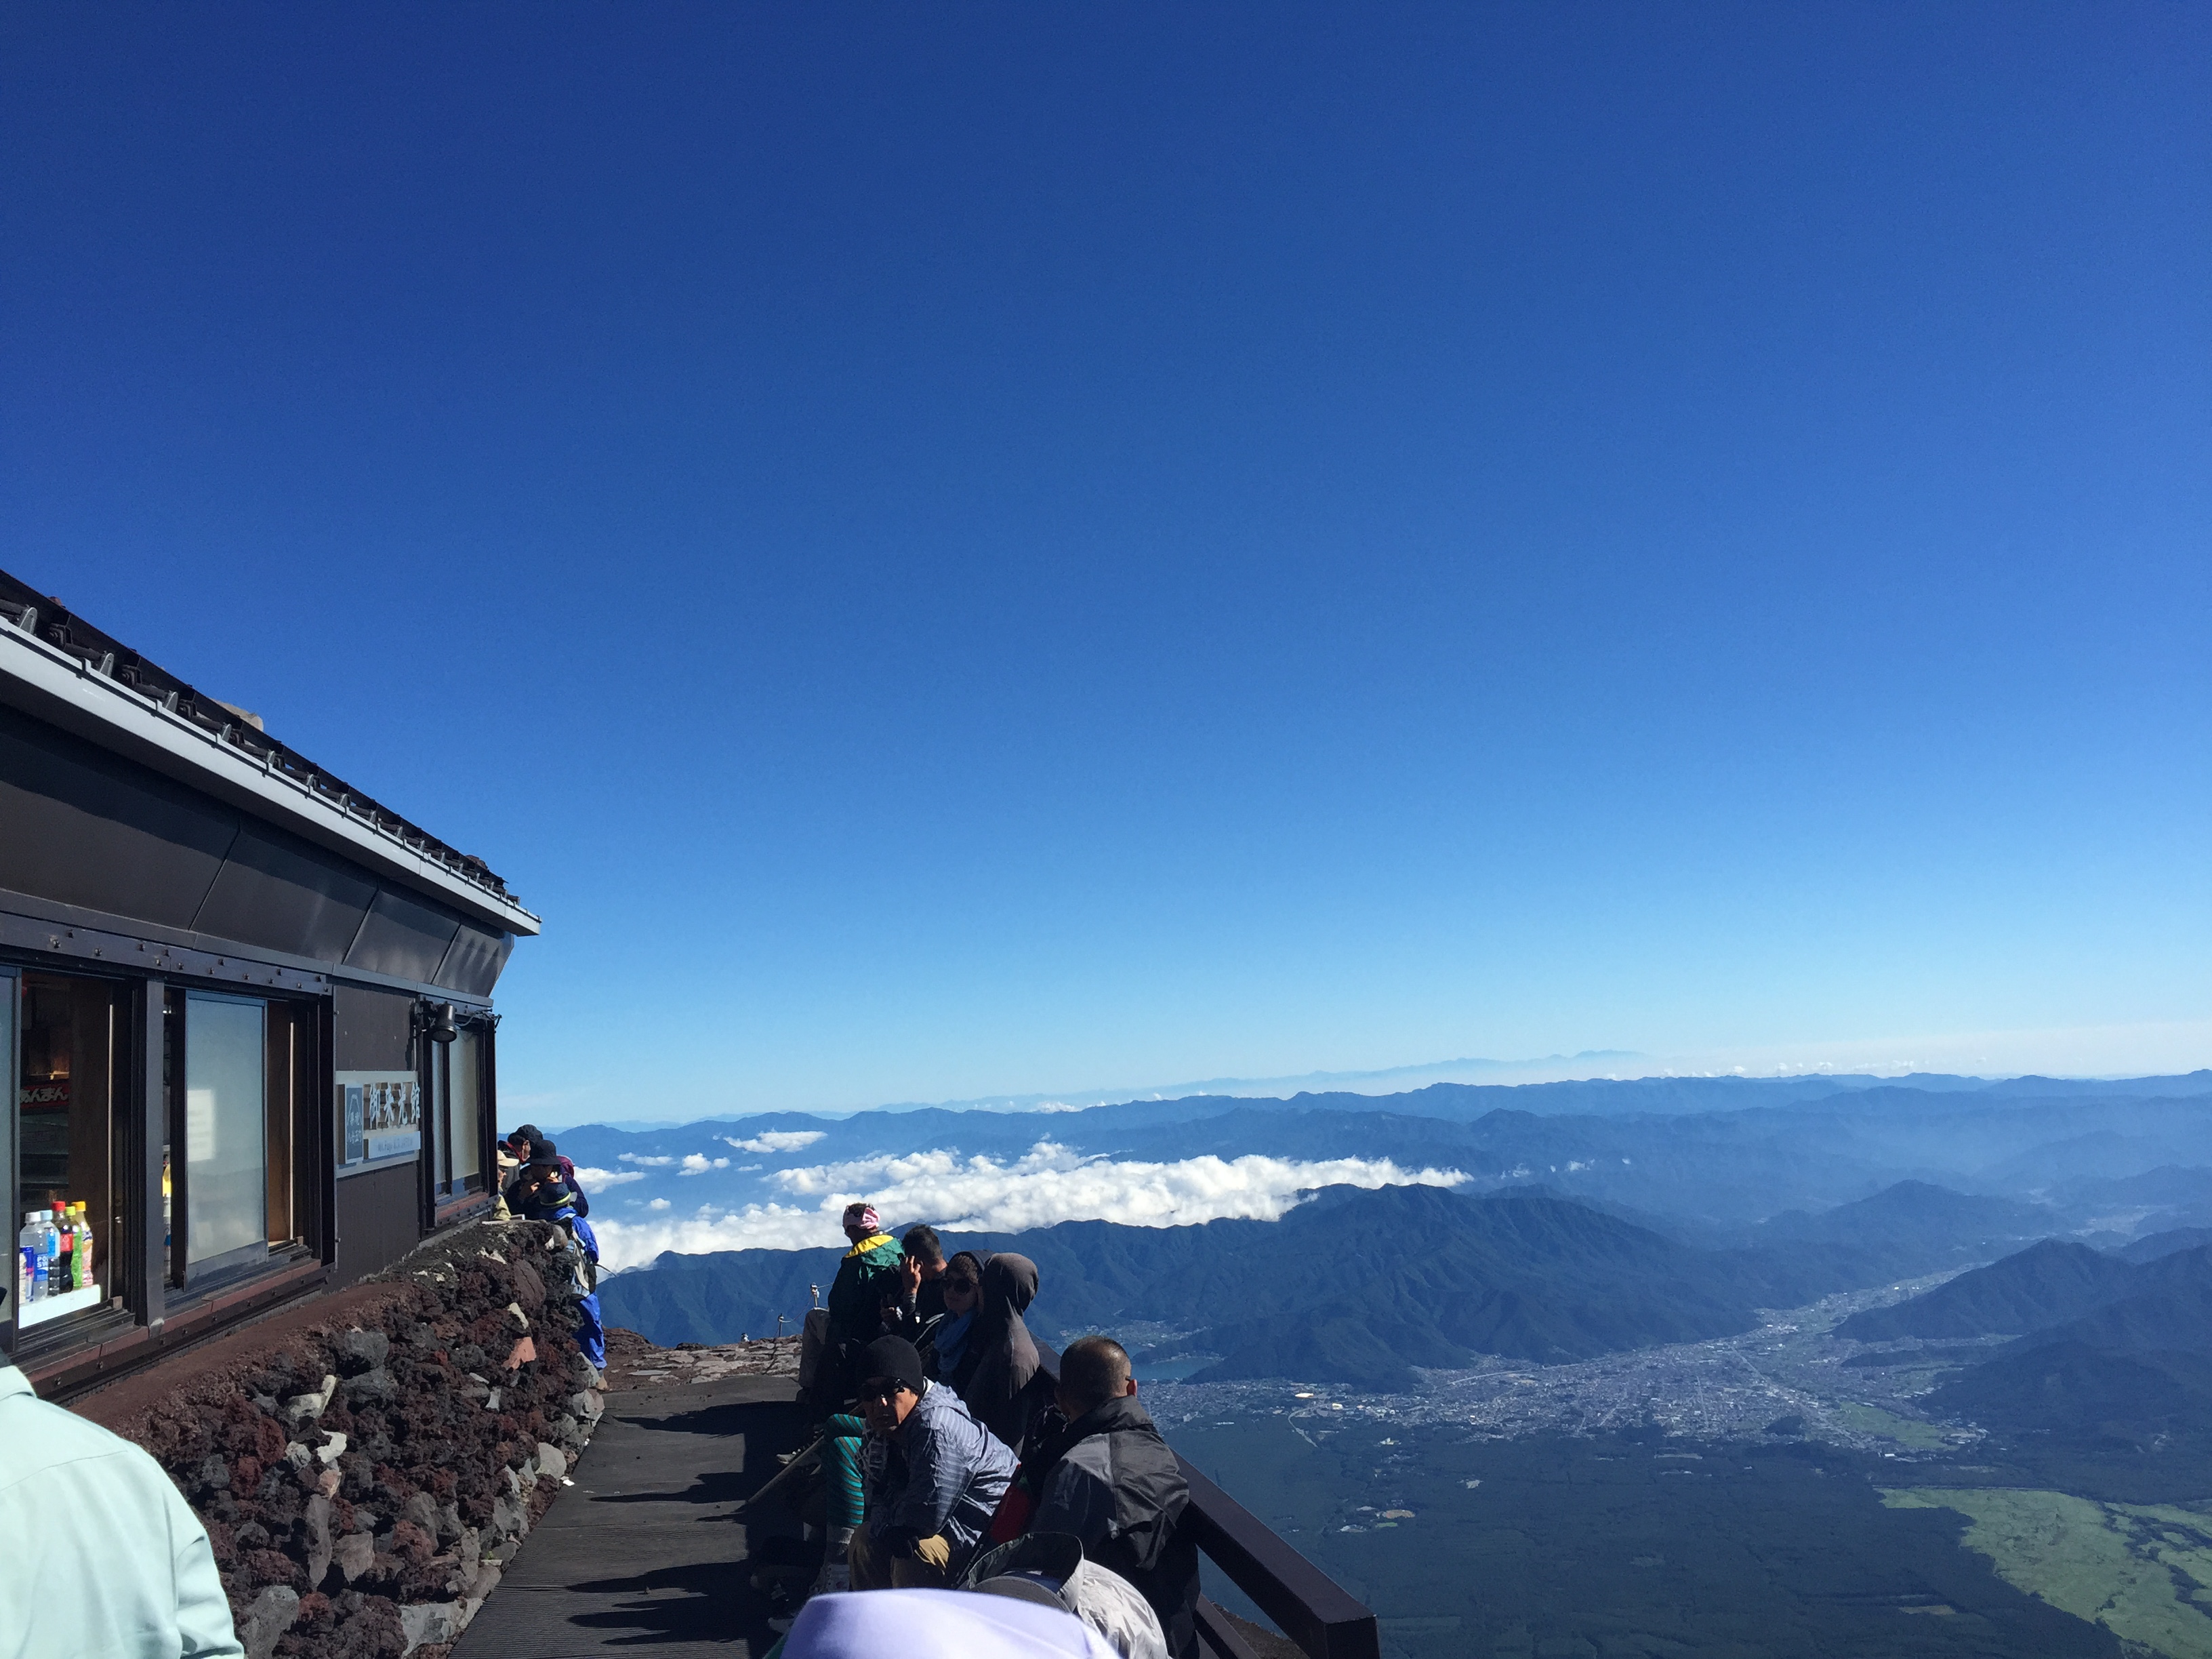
x=646, y=1550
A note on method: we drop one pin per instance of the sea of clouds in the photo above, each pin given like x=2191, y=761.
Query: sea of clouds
x=1048, y=1184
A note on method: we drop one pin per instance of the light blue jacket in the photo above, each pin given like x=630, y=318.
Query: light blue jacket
x=940, y=1474
x=100, y=1556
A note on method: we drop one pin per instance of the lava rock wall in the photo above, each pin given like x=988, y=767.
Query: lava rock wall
x=368, y=1467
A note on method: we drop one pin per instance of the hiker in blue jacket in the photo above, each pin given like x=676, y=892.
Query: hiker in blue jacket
x=934, y=1475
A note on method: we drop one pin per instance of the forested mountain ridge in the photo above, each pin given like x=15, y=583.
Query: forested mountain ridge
x=2049, y=1282
x=1360, y=1285
x=2063, y=1288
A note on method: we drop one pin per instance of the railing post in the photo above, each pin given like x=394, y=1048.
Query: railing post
x=1310, y=1607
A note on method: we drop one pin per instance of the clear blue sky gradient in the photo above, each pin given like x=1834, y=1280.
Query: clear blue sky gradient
x=997, y=548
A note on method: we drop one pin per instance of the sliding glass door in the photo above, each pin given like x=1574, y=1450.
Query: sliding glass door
x=225, y=1134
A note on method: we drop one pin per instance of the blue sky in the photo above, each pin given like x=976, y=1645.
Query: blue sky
x=1006, y=549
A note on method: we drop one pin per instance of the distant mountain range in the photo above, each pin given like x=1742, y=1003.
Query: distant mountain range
x=1361, y=1286
x=1567, y=1073
x=1702, y=1158
x=2043, y=1286
x=2111, y=1353
x=1916, y=1222
x=2061, y=1291
x=2166, y=1243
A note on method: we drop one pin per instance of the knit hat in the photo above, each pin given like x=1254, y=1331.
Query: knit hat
x=862, y=1215
x=894, y=1357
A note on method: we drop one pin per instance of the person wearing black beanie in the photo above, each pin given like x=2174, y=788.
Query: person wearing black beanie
x=894, y=1359
x=932, y=1473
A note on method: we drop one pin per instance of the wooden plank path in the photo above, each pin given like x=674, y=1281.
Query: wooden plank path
x=646, y=1550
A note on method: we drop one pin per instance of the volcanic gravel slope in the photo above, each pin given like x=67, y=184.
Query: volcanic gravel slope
x=366, y=1464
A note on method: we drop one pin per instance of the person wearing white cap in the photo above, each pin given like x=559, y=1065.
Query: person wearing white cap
x=1048, y=1568
x=871, y=1274
x=932, y=1624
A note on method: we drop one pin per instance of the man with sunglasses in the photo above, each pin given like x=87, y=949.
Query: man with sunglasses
x=917, y=1301
x=934, y=1475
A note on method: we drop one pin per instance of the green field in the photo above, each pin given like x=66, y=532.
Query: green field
x=1635, y=1546
x=2141, y=1571
x=1905, y=1431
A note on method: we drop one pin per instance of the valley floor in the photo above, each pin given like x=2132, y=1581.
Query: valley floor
x=1730, y=1387
x=1760, y=1493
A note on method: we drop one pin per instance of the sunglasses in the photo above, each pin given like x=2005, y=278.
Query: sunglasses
x=957, y=1282
x=883, y=1396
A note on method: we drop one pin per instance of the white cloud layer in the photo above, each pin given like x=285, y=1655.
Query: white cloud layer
x=1048, y=1184
x=589, y=1178
x=640, y=1158
x=775, y=1140
x=699, y=1164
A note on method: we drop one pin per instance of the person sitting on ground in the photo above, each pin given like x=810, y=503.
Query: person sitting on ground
x=844, y=1459
x=99, y=1553
x=523, y=1144
x=1103, y=1474
x=538, y=1191
x=508, y=1164
x=1006, y=1377
x=944, y=1345
x=920, y=1299
x=869, y=1271
x=935, y=1476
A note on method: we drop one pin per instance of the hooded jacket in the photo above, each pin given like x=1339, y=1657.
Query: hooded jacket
x=1111, y=1481
x=867, y=1277
x=940, y=1475
x=1004, y=1376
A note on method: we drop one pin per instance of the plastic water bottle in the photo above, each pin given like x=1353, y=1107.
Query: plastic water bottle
x=33, y=1251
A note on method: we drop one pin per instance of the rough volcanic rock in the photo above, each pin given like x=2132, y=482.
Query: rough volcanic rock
x=334, y=1452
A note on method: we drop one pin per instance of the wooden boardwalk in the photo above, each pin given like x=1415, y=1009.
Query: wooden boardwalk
x=645, y=1551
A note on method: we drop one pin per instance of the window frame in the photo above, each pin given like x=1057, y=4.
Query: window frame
x=446, y=1190
x=307, y=1150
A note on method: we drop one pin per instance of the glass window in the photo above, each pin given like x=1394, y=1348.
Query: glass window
x=437, y=1124
x=7, y=1315
x=467, y=1050
x=225, y=1149
x=66, y=1142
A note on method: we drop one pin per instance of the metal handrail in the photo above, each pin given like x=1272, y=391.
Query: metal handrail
x=1307, y=1605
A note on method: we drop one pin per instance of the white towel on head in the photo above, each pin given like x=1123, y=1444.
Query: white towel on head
x=929, y=1624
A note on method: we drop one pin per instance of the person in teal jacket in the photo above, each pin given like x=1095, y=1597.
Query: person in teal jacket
x=99, y=1553
x=871, y=1274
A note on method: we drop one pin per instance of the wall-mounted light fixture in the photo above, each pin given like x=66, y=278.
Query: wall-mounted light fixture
x=439, y=1025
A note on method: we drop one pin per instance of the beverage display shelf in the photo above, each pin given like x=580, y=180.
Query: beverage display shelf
x=59, y=1307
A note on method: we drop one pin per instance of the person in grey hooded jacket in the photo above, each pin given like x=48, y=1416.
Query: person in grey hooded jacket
x=932, y=1474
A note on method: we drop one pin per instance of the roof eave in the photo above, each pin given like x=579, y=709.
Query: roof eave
x=56, y=687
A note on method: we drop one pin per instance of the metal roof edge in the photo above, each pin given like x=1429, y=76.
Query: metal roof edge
x=61, y=689
x=29, y=922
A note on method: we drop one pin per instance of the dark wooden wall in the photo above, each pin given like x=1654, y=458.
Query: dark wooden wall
x=380, y=1220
